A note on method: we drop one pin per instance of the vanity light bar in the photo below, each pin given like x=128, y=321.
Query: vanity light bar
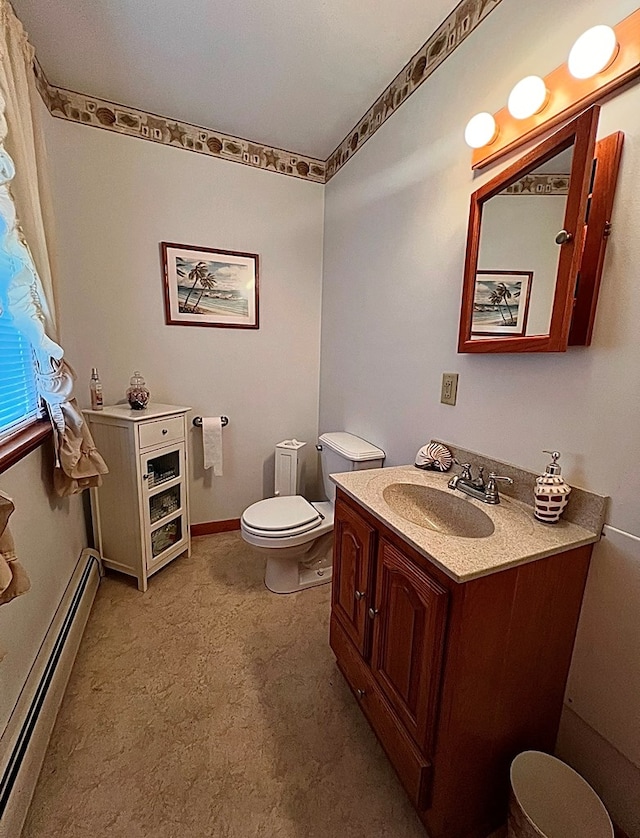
x=601, y=60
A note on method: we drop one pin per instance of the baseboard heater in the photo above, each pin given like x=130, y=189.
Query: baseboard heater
x=24, y=742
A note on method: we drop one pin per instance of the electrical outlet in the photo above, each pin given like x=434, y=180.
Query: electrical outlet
x=449, y=388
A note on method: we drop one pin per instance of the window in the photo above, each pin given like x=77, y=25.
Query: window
x=19, y=401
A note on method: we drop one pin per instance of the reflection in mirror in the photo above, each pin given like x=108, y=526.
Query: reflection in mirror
x=518, y=255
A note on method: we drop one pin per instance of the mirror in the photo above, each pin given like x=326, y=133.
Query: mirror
x=518, y=255
x=526, y=246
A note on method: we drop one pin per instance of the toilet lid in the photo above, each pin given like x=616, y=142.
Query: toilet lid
x=280, y=514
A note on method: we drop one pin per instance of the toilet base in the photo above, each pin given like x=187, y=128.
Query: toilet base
x=288, y=580
x=292, y=569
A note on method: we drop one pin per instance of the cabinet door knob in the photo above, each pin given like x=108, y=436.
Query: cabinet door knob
x=564, y=237
x=360, y=595
x=145, y=476
x=361, y=693
x=373, y=612
x=165, y=431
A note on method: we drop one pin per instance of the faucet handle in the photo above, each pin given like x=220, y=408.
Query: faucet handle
x=465, y=474
x=491, y=491
x=466, y=471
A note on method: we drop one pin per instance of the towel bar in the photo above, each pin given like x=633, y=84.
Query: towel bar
x=197, y=421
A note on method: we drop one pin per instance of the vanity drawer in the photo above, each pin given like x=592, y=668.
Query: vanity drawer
x=161, y=431
x=413, y=769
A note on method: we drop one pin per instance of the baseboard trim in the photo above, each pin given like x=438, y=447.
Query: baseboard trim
x=212, y=527
x=25, y=740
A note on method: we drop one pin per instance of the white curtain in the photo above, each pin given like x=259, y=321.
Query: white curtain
x=23, y=109
x=26, y=285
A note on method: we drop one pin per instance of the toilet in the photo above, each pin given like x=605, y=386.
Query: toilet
x=295, y=535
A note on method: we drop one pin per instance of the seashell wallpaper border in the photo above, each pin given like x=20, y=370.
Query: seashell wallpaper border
x=462, y=21
x=539, y=184
x=91, y=110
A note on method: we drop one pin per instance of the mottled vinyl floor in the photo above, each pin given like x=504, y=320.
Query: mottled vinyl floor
x=211, y=707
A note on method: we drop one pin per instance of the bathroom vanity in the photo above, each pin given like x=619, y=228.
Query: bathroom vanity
x=453, y=623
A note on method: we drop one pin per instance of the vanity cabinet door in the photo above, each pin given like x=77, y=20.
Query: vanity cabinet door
x=409, y=619
x=354, y=546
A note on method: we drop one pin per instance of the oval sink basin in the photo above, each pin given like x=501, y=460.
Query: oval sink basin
x=442, y=512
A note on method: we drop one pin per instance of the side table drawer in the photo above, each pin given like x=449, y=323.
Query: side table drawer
x=161, y=431
x=412, y=767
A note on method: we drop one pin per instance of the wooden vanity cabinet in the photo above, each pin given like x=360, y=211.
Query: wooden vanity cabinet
x=409, y=617
x=354, y=540
x=454, y=678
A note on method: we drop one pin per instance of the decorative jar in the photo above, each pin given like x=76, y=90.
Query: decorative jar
x=138, y=392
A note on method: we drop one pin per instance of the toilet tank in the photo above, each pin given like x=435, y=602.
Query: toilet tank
x=340, y=451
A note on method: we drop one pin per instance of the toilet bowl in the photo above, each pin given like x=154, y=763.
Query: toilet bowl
x=293, y=534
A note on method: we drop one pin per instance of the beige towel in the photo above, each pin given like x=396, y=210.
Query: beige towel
x=13, y=577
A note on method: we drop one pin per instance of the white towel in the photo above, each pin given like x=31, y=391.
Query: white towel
x=212, y=443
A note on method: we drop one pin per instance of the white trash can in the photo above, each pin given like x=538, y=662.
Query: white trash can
x=550, y=800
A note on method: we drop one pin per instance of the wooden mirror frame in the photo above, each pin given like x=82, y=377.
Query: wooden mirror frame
x=581, y=134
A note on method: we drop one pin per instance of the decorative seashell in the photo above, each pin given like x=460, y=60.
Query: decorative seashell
x=418, y=70
x=106, y=116
x=434, y=457
x=127, y=120
x=214, y=145
x=302, y=168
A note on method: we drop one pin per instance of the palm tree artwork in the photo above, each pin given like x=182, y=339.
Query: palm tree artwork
x=196, y=274
x=209, y=287
x=206, y=284
x=503, y=294
x=500, y=305
x=495, y=299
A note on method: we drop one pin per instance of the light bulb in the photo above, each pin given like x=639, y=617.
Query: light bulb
x=481, y=130
x=528, y=97
x=592, y=53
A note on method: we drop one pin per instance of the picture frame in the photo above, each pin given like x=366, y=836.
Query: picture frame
x=207, y=286
x=501, y=303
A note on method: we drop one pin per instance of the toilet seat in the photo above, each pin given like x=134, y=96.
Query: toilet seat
x=281, y=517
x=294, y=536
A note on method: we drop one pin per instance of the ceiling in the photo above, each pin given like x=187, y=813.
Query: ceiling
x=292, y=74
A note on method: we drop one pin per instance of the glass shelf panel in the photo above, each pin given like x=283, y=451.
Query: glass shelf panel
x=166, y=536
x=163, y=468
x=164, y=503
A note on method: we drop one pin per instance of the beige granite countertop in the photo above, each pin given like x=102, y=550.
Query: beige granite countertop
x=517, y=538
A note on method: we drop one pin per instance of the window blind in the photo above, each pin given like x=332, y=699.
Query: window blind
x=19, y=401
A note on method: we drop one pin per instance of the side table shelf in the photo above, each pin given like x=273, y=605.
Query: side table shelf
x=141, y=512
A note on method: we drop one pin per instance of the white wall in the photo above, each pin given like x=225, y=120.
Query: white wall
x=49, y=534
x=115, y=200
x=395, y=232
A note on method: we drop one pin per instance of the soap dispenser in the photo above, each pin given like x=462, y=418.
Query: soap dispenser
x=551, y=492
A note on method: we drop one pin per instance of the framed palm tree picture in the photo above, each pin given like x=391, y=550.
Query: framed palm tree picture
x=209, y=287
x=501, y=302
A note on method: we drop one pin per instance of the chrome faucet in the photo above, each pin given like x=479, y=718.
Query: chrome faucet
x=475, y=487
